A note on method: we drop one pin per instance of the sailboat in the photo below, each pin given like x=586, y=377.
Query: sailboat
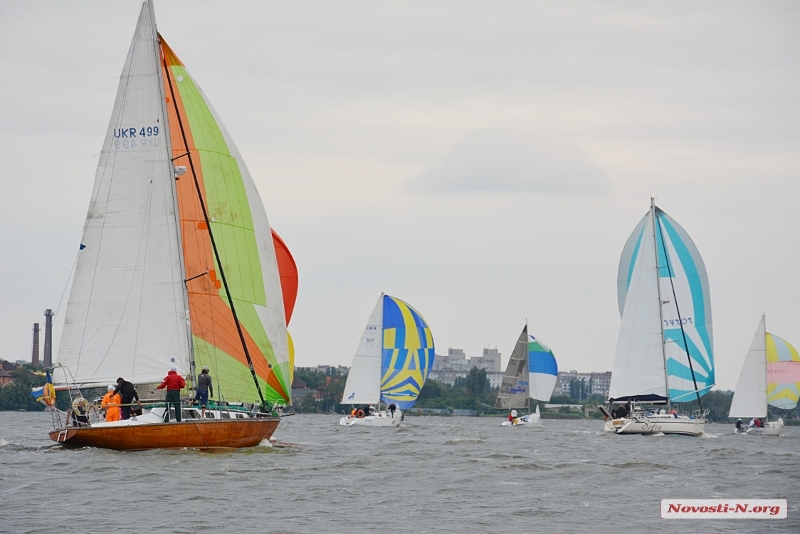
x=770, y=375
x=531, y=374
x=664, y=351
x=393, y=360
x=177, y=268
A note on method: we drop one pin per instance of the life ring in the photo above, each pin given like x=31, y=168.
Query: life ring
x=360, y=413
x=49, y=394
x=78, y=401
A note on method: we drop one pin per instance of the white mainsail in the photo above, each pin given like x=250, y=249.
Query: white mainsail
x=126, y=314
x=638, y=369
x=363, y=384
x=750, y=398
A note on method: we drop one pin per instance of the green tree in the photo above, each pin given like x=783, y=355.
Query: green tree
x=17, y=394
x=313, y=379
x=308, y=404
x=718, y=404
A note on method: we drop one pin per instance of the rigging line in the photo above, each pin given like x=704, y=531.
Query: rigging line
x=678, y=309
x=211, y=236
x=74, y=263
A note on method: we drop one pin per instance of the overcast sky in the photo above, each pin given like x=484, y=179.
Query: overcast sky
x=483, y=161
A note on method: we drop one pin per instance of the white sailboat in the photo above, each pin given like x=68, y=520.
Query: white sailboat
x=531, y=373
x=770, y=376
x=393, y=359
x=664, y=352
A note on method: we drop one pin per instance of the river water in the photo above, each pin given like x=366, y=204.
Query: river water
x=434, y=474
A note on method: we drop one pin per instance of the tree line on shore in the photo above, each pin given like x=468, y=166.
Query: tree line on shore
x=472, y=392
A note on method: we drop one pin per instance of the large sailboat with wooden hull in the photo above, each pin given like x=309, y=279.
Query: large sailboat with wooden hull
x=177, y=268
x=664, y=352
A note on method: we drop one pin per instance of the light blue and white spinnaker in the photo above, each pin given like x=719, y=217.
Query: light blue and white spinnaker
x=659, y=256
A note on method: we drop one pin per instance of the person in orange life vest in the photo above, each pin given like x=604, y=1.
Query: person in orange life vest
x=109, y=402
x=674, y=413
x=174, y=384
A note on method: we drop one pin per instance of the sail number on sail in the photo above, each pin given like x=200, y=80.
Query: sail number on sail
x=675, y=322
x=149, y=131
x=144, y=137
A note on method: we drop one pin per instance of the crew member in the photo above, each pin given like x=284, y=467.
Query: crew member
x=128, y=393
x=204, y=387
x=110, y=404
x=174, y=383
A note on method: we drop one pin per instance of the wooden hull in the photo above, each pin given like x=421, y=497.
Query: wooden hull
x=203, y=435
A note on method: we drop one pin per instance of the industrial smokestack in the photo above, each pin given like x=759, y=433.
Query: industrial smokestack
x=48, y=338
x=35, y=355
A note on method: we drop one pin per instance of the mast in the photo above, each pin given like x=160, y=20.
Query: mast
x=179, y=237
x=680, y=319
x=528, y=359
x=380, y=353
x=660, y=302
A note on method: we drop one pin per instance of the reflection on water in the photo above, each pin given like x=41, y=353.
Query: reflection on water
x=434, y=474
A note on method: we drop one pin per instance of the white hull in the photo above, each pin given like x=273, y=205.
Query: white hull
x=378, y=419
x=526, y=420
x=772, y=429
x=655, y=424
x=156, y=416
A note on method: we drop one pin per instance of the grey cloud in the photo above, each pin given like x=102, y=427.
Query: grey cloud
x=515, y=161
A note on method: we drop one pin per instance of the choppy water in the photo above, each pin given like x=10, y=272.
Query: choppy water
x=435, y=474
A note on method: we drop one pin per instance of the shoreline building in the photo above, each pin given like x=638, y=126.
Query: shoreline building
x=456, y=364
x=593, y=383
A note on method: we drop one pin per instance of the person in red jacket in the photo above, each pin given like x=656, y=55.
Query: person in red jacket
x=174, y=384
